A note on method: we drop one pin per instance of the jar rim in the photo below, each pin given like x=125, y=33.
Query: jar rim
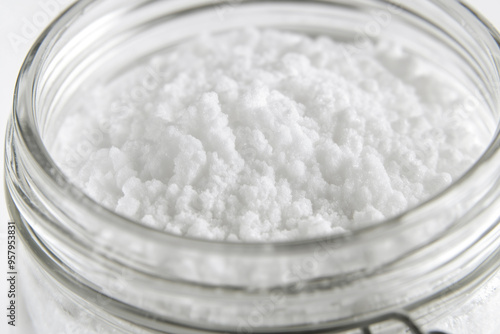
x=29, y=132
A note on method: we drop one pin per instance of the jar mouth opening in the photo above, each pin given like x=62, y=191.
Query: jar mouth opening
x=29, y=132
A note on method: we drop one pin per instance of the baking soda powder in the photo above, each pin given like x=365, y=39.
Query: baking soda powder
x=266, y=135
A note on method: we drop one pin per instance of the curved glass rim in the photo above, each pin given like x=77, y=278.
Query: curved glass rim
x=50, y=168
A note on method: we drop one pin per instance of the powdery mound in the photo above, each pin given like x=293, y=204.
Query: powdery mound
x=263, y=135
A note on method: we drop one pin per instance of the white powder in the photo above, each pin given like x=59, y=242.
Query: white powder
x=263, y=135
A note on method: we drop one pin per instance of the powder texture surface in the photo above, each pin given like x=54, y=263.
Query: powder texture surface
x=264, y=135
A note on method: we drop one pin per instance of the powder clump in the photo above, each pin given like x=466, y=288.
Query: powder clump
x=265, y=135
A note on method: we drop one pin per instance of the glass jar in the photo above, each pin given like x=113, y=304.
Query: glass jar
x=432, y=268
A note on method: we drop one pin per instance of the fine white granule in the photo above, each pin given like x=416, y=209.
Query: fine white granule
x=266, y=135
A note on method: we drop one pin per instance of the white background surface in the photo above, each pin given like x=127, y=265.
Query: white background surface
x=26, y=18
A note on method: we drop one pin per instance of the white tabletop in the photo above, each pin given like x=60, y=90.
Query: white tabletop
x=20, y=22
